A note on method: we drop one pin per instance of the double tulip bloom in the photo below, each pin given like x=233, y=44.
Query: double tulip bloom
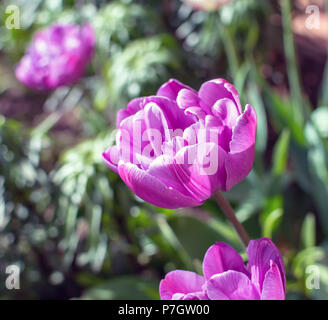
x=57, y=56
x=227, y=278
x=177, y=148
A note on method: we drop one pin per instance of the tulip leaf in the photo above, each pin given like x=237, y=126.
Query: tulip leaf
x=320, y=119
x=317, y=161
x=173, y=238
x=308, y=233
x=256, y=101
x=281, y=113
x=187, y=229
x=280, y=153
x=272, y=222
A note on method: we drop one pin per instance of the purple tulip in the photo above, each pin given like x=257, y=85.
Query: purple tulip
x=176, y=149
x=227, y=278
x=57, y=56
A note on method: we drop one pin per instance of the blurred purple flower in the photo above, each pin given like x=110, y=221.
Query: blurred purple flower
x=179, y=147
x=57, y=56
x=227, y=278
x=207, y=5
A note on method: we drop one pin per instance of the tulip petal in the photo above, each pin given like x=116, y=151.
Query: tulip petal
x=212, y=91
x=121, y=115
x=152, y=190
x=180, y=282
x=187, y=98
x=200, y=295
x=157, y=126
x=225, y=110
x=241, y=156
x=171, y=89
x=244, y=132
x=133, y=107
x=199, y=169
x=25, y=73
x=165, y=170
x=219, y=258
x=231, y=285
x=218, y=133
x=273, y=285
x=129, y=136
x=89, y=37
x=173, y=114
x=111, y=158
x=260, y=253
x=197, y=112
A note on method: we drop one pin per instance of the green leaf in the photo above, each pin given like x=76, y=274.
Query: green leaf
x=272, y=222
x=318, y=168
x=256, y=101
x=281, y=112
x=308, y=233
x=196, y=236
x=292, y=66
x=280, y=153
x=171, y=237
x=249, y=206
x=319, y=118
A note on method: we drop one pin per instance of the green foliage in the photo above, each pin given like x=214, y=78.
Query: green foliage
x=140, y=68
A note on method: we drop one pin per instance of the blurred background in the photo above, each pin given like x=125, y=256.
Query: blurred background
x=72, y=226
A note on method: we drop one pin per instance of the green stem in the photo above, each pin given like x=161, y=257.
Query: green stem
x=231, y=216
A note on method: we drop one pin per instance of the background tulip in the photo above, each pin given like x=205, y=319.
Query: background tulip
x=207, y=5
x=57, y=56
x=179, y=147
x=227, y=278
